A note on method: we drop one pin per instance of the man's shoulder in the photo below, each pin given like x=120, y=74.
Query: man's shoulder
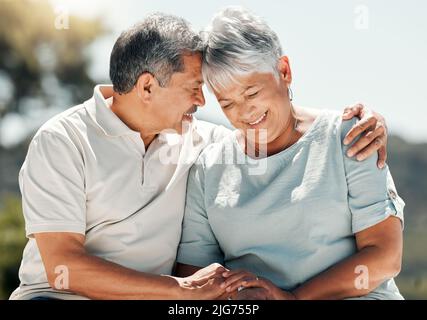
x=64, y=129
x=65, y=124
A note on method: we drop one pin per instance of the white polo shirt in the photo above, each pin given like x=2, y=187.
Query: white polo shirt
x=86, y=172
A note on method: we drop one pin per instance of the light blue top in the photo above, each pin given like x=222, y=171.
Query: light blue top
x=290, y=216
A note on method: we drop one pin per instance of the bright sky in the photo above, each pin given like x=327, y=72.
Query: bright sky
x=341, y=51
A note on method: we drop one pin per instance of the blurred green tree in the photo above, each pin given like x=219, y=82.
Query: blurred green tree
x=35, y=42
x=12, y=242
x=43, y=56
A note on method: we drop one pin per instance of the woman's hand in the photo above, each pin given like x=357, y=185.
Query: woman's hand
x=203, y=275
x=237, y=282
x=373, y=128
x=205, y=284
x=233, y=279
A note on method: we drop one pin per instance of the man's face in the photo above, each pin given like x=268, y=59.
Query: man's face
x=180, y=98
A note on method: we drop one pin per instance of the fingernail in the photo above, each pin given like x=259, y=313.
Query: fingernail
x=225, y=274
x=350, y=153
x=359, y=158
x=381, y=165
x=228, y=289
x=346, y=142
x=222, y=286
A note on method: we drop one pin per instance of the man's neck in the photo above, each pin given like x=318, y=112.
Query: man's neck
x=124, y=108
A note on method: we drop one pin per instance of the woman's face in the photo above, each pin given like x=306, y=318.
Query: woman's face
x=258, y=104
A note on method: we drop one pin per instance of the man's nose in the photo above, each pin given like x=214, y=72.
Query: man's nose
x=200, y=98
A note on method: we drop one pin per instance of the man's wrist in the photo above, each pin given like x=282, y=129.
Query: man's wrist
x=179, y=288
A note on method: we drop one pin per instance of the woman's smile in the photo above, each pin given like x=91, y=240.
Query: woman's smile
x=257, y=122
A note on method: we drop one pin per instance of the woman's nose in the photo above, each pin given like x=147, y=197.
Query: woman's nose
x=247, y=112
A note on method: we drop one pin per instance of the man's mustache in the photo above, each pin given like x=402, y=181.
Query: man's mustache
x=192, y=110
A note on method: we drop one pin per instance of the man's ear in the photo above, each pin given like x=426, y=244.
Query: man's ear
x=285, y=70
x=144, y=86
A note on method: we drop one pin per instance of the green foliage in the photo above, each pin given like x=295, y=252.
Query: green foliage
x=408, y=164
x=412, y=281
x=26, y=28
x=31, y=50
x=12, y=243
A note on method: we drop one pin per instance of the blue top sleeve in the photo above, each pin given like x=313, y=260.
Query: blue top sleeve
x=372, y=195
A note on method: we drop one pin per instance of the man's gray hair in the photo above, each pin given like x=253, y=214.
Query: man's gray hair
x=156, y=45
x=238, y=43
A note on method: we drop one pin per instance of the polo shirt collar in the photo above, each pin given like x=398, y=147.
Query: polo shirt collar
x=103, y=116
x=112, y=126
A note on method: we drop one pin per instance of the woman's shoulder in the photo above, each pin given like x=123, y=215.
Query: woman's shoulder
x=333, y=118
x=322, y=123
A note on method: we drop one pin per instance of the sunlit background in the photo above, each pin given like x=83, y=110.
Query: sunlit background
x=341, y=52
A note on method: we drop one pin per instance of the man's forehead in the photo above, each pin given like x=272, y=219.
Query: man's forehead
x=192, y=73
x=193, y=64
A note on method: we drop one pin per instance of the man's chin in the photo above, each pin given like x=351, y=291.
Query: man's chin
x=185, y=125
x=187, y=117
x=182, y=127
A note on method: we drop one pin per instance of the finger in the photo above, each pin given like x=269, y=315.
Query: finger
x=255, y=283
x=221, y=270
x=252, y=294
x=229, y=281
x=351, y=112
x=236, y=277
x=371, y=149
x=238, y=284
x=347, y=113
x=229, y=273
x=210, y=272
x=215, y=283
x=199, y=282
x=382, y=156
x=358, y=128
x=204, y=278
x=227, y=295
x=214, y=286
x=364, y=141
x=202, y=281
x=216, y=267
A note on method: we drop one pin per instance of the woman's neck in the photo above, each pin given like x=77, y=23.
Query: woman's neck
x=287, y=138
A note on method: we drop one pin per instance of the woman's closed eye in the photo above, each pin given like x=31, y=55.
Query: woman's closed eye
x=253, y=95
x=227, y=106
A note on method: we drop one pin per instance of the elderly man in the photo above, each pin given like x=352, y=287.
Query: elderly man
x=104, y=183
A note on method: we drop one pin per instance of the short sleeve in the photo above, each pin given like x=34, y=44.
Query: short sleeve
x=372, y=195
x=198, y=246
x=52, y=186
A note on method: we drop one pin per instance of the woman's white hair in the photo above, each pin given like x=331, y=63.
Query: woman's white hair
x=238, y=43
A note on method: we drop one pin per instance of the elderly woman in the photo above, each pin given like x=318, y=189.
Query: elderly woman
x=305, y=220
